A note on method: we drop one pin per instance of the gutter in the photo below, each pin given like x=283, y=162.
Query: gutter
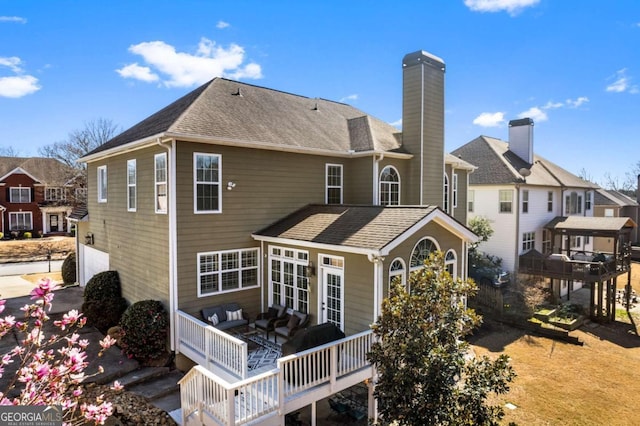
x=149, y=141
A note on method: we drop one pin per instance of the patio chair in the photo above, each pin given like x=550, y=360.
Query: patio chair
x=266, y=320
x=288, y=326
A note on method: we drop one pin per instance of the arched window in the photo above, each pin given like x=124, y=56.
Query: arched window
x=421, y=251
x=450, y=263
x=445, y=194
x=396, y=271
x=389, y=187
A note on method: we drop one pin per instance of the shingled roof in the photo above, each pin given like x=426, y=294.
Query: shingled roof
x=586, y=225
x=359, y=227
x=47, y=171
x=499, y=165
x=226, y=110
x=608, y=197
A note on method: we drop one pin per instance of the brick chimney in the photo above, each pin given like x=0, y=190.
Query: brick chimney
x=521, y=138
x=423, y=125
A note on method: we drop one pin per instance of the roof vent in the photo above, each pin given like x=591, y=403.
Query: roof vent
x=315, y=108
x=238, y=93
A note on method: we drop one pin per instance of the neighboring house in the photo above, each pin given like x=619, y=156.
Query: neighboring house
x=520, y=192
x=610, y=203
x=37, y=195
x=239, y=193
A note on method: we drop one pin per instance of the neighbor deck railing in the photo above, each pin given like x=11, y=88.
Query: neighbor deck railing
x=210, y=347
x=207, y=398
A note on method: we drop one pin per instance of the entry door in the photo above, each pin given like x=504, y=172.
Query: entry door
x=53, y=223
x=332, y=300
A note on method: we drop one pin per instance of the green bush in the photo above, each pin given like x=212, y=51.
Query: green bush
x=103, y=285
x=145, y=325
x=103, y=302
x=1, y=235
x=68, y=269
x=27, y=235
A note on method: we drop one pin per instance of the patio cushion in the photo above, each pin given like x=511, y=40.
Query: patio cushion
x=293, y=321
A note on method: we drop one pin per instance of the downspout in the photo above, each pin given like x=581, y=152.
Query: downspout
x=517, y=203
x=376, y=176
x=173, y=233
x=421, y=133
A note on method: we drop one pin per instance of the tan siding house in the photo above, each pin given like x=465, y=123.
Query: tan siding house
x=256, y=196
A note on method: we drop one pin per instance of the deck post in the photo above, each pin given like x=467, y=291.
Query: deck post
x=231, y=407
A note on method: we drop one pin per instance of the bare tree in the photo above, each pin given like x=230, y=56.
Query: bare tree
x=9, y=151
x=79, y=142
x=585, y=175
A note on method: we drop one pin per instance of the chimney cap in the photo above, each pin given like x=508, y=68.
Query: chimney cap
x=521, y=122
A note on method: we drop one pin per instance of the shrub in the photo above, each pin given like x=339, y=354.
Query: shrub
x=103, y=302
x=1, y=235
x=145, y=325
x=68, y=269
x=103, y=285
x=27, y=235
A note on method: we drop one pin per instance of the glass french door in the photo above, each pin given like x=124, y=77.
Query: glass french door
x=333, y=300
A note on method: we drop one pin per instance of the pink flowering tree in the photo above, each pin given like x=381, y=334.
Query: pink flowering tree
x=50, y=369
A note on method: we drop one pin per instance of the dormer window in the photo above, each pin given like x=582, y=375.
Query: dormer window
x=54, y=194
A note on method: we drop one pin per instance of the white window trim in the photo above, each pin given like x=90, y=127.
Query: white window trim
x=298, y=258
x=510, y=201
x=445, y=194
x=102, y=184
x=132, y=185
x=525, y=201
x=401, y=273
x=389, y=185
x=158, y=183
x=530, y=242
x=326, y=181
x=455, y=190
x=13, y=221
x=195, y=184
x=20, y=189
x=219, y=272
x=334, y=265
x=60, y=193
x=453, y=262
x=418, y=267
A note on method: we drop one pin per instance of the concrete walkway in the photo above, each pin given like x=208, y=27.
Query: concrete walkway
x=15, y=286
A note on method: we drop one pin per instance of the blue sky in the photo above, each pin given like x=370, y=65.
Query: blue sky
x=571, y=65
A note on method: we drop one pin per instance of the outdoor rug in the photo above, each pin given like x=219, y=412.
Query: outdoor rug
x=266, y=354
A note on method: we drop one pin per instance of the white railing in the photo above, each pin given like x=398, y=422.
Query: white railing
x=211, y=399
x=211, y=347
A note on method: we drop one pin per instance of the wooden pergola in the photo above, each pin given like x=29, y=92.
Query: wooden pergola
x=599, y=270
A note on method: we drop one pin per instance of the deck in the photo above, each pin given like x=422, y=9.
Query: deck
x=222, y=391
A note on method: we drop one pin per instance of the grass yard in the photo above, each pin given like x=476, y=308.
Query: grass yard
x=564, y=384
x=33, y=249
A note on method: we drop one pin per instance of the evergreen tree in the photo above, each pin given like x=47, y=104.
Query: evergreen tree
x=425, y=372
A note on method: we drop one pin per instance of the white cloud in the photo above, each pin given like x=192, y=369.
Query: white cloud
x=397, y=124
x=16, y=19
x=11, y=62
x=489, y=119
x=19, y=85
x=575, y=103
x=222, y=25
x=181, y=69
x=535, y=113
x=513, y=7
x=553, y=105
x=137, y=72
x=622, y=83
x=353, y=97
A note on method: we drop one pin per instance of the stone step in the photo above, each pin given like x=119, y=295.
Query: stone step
x=168, y=402
x=142, y=375
x=159, y=386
